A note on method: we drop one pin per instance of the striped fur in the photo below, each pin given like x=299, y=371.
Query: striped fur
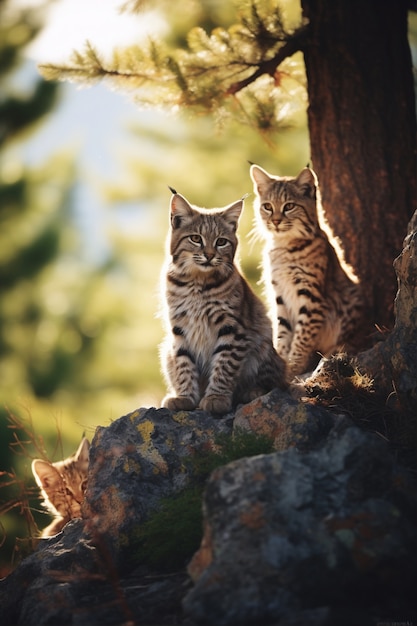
x=218, y=350
x=317, y=300
x=63, y=486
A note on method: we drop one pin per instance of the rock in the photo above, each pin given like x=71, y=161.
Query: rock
x=403, y=341
x=40, y=590
x=138, y=460
x=289, y=532
x=69, y=581
x=86, y=575
x=392, y=363
x=305, y=535
x=287, y=422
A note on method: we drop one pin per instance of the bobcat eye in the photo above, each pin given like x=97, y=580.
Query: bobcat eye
x=267, y=206
x=288, y=206
x=221, y=242
x=195, y=239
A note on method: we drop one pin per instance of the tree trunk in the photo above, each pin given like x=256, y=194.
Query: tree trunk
x=362, y=123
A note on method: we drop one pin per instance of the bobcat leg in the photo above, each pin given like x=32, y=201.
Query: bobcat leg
x=284, y=329
x=228, y=361
x=304, y=344
x=183, y=375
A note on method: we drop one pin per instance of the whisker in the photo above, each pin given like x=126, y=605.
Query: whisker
x=254, y=236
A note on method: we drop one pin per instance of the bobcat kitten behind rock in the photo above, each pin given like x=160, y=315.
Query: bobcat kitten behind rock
x=318, y=305
x=63, y=486
x=218, y=350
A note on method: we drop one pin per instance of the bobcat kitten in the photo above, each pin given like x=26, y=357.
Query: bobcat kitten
x=318, y=304
x=63, y=485
x=218, y=350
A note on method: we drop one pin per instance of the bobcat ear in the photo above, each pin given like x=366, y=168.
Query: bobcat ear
x=259, y=176
x=82, y=453
x=180, y=210
x=232, y=212
x=45, y=474
x=307, y=182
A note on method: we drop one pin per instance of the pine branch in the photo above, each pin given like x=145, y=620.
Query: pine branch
x=85, y=66
x=292, y=45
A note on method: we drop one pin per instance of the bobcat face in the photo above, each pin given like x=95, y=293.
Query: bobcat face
x=202, y=241
x=286, y=206
x=281, y=217
x=63, y=485
x=211, y=252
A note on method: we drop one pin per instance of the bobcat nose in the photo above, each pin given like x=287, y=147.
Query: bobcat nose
x=209, y=256
x=276, y=223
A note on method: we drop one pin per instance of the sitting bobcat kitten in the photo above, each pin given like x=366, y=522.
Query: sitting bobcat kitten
x=318, y=305
x=219, y=349
x=63, y=485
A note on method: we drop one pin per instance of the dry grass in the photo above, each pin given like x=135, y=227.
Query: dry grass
x=338, y=385
x=20, y=510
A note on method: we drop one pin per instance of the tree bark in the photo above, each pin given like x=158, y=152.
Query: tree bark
x=362, y=124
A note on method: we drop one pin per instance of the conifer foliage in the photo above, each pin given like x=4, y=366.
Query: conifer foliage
x=210, y=70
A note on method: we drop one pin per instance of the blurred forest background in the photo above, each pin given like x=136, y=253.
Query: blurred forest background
x=79, y=270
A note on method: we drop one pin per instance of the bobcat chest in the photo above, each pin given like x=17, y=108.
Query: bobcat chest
x=289, y=285
x=297, y=281
x=196, y=317
x=291, y=300
x=200, y=333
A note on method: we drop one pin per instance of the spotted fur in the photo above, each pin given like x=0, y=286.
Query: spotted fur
x=218, y=350
x=317, y=301
x=63, y=486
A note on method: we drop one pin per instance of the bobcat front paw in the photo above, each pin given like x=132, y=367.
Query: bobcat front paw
x=179, y=403
x=216, y=404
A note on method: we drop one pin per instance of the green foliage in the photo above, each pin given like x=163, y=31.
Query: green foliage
x=228, y=448
x=33, y=213
x=45, y=340
x=168, y=539
x=67, y=330
x=18, y=110
x=173, y=533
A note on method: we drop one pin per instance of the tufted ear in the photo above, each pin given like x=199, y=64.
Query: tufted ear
x=232, y=213
x=307, y=181
x=259, y=176
x=83, y=451
x=180, y=210
x=47, y=477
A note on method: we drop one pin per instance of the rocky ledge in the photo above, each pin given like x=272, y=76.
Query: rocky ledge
x=319, y=531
